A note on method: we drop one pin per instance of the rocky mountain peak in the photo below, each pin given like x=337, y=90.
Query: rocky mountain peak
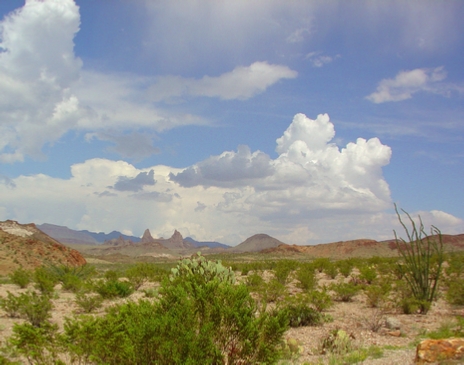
x=177, y=237
x=147, y=237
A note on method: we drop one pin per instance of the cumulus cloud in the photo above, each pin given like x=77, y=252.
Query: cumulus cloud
x=45, y=92
x=137, y=183
x=240, y=83
x=310, y=174
x=228, y=169
x=407, y=83
x=37, y=67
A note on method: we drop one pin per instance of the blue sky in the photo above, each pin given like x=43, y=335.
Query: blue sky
x=305, y=120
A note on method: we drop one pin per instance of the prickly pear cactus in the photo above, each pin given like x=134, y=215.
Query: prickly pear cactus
x=201, y=267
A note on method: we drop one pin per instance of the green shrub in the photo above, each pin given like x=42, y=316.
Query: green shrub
x=31, y=306
x=306, y=277
x=112, y=275
x=45, y=280
x=88, y=302
x=283, y=268
x=151, y=292
x=255, y=282
x=11, y=305
x=455, y=292
x=37, y=344
x=331, y=270
x=345, y=267
x=321, y=263
x=110, y=289
x=300, y=313
x=455, y=265
x=200, y=318
x=344, y=292
x=411, y=305
x=377, y=294
x=422, y=260
x=20, y=277
x=274, y=290
x=139, y=274
x=320, y=300
x=71, y=283
x=367, y=274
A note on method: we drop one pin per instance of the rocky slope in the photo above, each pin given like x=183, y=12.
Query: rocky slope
x=24, y=245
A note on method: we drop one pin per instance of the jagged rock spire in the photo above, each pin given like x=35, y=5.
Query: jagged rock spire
x=147, y=237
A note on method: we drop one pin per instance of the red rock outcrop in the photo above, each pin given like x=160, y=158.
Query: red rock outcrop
x=432, y=351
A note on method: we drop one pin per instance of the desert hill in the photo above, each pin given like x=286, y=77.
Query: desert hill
x=24, y=245
x=359, y=248
x=256, y=243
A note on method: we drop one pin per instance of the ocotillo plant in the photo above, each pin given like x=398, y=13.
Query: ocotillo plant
x=423, y=257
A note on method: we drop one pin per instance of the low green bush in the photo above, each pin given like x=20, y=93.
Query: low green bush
x=31, y=306
x=87, y=303
x=306, y=277
x=320, y=300
x=283, y=268
x=39, y=345
x=345, y=267
x=45, y=280
x=377, y=294
x=139, y=274
x=255, y=282
x=301, y=313
x=344, y=292
x=110, y=289
x=455, y=293
x=11, y=305
x=20, y=277
x=367, y=274
x=321, y=263
x=200, y=318
x=274, y=290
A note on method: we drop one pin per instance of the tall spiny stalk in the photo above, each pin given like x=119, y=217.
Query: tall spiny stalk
x=422, y=258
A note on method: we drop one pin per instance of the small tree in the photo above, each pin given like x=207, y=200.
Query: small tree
x=422, y=259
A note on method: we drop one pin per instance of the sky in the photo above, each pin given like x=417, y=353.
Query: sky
x=305, y=120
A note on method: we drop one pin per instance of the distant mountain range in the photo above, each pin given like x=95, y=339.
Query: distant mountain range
x=117, y=243
x=66, y=235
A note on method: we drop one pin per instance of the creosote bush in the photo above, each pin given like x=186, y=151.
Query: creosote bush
x=20, y=277
x=201, y=317
x=31, y=306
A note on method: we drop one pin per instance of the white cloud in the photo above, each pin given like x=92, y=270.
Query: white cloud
x=240, y=83
x=310, y=176
x=299, y=35
x=45, y=92
x=407, y=83
x=318, y=60
x=133, y=145
x=37, y=67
